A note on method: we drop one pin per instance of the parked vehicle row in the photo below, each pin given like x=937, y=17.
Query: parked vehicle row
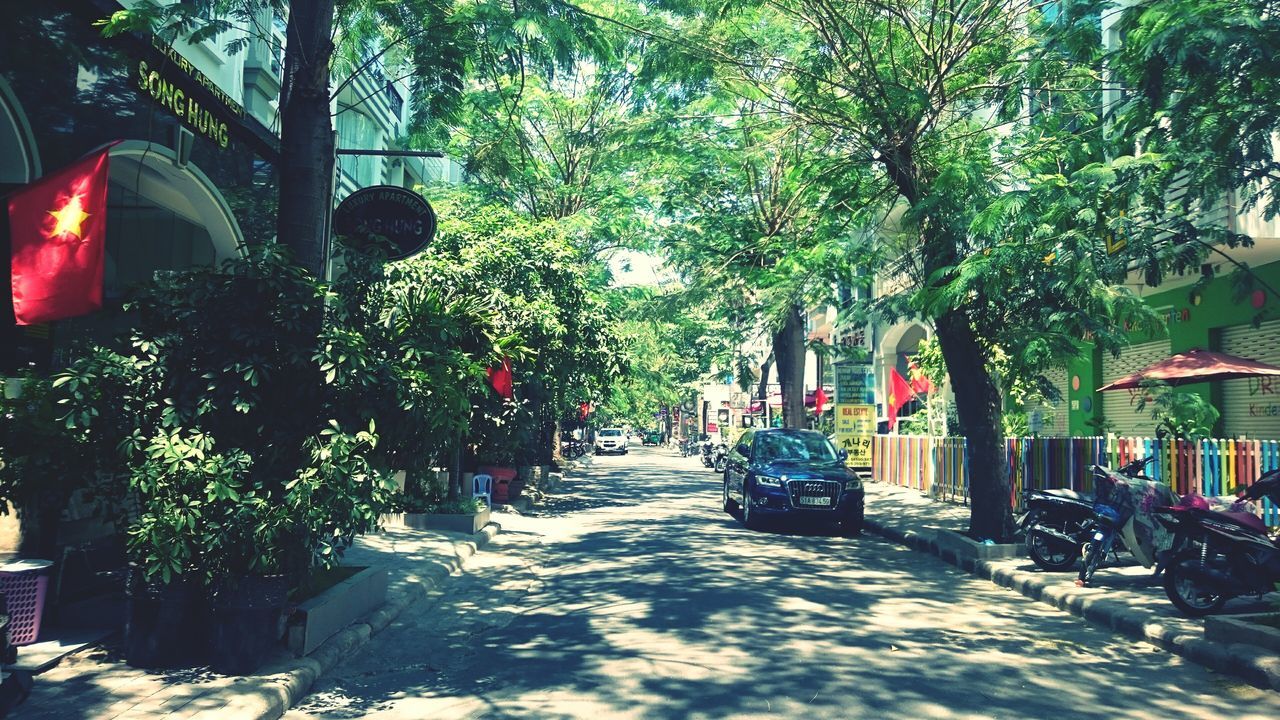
x=1207, y=555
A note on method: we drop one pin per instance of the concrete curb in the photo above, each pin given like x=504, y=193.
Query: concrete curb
x=1253, y=664
x=269, y=694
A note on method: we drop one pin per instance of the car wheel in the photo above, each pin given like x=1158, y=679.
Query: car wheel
x=750, y=520
x=727, y=505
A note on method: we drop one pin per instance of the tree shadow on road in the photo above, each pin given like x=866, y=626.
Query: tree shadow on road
x=656, y=608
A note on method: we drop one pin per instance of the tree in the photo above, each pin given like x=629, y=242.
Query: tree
x=434, y=43
x=970, y=132
x=754, y=206
x=1193, y=119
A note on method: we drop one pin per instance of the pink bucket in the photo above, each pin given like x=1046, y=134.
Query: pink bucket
x=24, y=584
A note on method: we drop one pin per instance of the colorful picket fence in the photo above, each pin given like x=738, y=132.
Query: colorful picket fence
x=1210, y=467
x=939, y=466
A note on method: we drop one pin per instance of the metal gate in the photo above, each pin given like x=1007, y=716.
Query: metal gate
x=1251, y=406
x=1120, y=407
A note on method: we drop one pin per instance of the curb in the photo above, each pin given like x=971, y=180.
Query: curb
x=1253, y=664
x=278, y=687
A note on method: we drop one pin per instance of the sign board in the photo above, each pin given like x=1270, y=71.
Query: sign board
x=855, y=425
x=401, y=216
x=855, y=384
x=713, y=428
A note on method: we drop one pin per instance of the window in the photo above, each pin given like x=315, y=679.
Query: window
x=794, y=446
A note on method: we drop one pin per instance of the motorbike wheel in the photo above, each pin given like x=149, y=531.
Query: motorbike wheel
x=1093, y=557
x=1050, y=553
x=721, y=464
x=1185, y=593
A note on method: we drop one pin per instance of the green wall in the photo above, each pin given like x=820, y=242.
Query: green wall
x=1191, y=322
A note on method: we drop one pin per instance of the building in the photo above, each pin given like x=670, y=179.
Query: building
x=192, y=174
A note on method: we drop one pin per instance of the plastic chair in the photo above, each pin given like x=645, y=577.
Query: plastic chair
x=482, y=487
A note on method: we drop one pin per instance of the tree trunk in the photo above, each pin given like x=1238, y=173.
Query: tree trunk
x=788, y=355
x=306, y=134
x=978, y=405
x=978, y=402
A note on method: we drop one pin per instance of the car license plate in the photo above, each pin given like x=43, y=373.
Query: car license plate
x=815, y=501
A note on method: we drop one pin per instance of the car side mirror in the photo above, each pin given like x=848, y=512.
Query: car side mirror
x=743, y=450
x=842, y=454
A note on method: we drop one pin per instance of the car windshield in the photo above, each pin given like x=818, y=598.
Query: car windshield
x=811, y=447
x=610, y=433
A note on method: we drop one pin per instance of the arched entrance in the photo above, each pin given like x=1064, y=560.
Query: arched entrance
x=19, y=159
x=898, y=344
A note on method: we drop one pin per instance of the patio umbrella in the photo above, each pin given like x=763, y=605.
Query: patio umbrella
x=1194, y=366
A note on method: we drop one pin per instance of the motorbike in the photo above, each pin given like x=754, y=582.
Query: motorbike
x=686, y=447
x=1229, y=555
x=720, y=458
x=1124, y=516
x=708, y=448
x=1057, y=522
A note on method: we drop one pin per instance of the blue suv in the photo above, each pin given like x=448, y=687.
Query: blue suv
x=777, y=473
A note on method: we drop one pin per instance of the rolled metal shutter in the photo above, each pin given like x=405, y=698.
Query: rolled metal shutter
x=1050, y=418
x=1251, y=406
x=1120, y=407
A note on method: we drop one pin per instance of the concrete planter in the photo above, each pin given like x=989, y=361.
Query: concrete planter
x=962, y=546
x=1261, y=629
x=328, y=613
x=469, y=524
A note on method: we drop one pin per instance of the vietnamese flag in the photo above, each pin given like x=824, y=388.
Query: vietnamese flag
x=899, y=394
x=819, y=401
x=920, y=383
x=501, y=380
x=58, y=232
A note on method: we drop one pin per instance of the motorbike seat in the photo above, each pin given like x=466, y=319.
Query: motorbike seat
x=1067, y=494
x=1249, y=520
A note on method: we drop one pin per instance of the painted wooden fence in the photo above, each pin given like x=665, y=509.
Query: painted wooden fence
x=939, y=466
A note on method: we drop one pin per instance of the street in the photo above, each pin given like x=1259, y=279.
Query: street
x=631, y=595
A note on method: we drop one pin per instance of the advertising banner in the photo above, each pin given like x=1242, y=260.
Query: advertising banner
x=855, y=424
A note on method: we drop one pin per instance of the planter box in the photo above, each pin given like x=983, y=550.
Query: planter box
x=469, y=524
x=1261, y=629
x=963, y=546
x=323, y=616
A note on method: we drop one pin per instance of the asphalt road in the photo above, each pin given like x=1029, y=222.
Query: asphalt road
x=633, y=596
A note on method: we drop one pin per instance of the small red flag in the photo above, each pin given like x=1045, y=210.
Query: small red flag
x=500, y=379
x=819, y=401
x=920, y=383
x=584, y=409
x=58, y=232
x=899, y=394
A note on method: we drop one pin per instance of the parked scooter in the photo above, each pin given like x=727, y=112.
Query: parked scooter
x=708, y=449
x=720, y=458
x=1057, y=522
x=1124, y=515
x=1229, y=554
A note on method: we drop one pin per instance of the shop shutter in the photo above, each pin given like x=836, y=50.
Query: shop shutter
x=1251, y=406
x=1120, y=407
x=1050, y=418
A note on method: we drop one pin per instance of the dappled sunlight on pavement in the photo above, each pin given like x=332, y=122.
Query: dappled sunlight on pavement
x=650, y=602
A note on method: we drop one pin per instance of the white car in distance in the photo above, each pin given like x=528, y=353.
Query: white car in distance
x=611, y=440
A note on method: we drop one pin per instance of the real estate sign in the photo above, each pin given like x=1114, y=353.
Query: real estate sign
x=855, y=424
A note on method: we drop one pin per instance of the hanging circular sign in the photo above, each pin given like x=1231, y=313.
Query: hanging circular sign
x=403, y=217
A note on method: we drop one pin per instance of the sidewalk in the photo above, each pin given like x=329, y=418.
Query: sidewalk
x=1127, y=599
x=96, y=683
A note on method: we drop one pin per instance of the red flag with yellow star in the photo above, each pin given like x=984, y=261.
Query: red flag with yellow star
x=58, y=232
x=899, y=393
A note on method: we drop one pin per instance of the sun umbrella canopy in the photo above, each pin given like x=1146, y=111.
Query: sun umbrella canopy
x=1194, y=366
